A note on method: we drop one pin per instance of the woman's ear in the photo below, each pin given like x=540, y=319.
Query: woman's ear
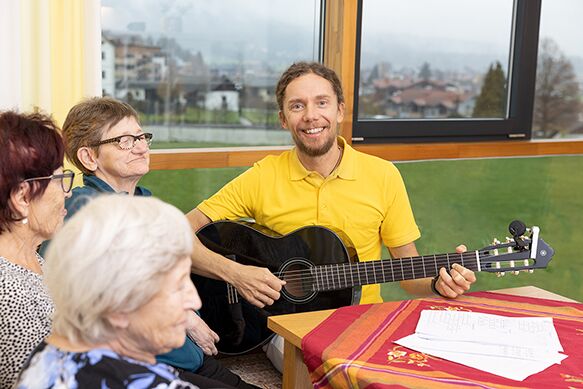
x=20, y=200
x=118, y=320
x=88, y=158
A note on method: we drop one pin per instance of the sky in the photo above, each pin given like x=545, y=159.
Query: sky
x=483, y=21
x=562, y=21
x=213, y=20
x=207, y=25
x=260, y=31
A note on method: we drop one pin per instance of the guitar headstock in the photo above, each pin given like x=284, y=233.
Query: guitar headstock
x=525, y=251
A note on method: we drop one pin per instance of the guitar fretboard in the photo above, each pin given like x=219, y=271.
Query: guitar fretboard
x=347, y=275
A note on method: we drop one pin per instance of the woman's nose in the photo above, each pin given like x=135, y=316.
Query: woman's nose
x=141, y=147
x=192, y=298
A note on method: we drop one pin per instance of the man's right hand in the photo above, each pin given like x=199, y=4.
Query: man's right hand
x=256, y=284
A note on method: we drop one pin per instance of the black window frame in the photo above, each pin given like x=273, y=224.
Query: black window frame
x=517, y=125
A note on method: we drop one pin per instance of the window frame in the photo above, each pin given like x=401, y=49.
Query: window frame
x=522, y=77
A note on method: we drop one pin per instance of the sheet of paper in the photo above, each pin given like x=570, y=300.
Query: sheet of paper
x=538, y=332
x=511, y=347
x=476, y=348
x=512, y=368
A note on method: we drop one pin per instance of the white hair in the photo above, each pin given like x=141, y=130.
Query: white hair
x=109, y=258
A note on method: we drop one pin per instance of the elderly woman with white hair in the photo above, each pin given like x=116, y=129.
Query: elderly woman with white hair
x=119, y=276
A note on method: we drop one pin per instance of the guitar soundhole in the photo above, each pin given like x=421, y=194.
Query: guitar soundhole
x=299, y=287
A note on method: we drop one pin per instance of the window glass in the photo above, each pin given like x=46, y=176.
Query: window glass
x=424, y=59
x=203, y=73
x=558, y=106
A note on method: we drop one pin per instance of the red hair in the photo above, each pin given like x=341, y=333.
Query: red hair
x=30, y=146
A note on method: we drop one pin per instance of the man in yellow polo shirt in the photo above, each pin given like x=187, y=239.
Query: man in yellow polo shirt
x=321, y=181
x=363, y=196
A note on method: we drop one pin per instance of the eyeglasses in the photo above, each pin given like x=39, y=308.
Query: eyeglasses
x=127, y=142
x=66, y=179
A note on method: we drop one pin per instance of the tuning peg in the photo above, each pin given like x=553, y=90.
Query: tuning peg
x=499, y=273
x=510, y=250
x=495, y=242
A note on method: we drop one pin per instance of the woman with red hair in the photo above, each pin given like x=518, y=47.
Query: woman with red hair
x=33, y=188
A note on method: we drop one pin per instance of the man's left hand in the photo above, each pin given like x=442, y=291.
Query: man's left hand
x=457, y=281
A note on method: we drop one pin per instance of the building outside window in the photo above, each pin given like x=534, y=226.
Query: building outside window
x=203, y=73
x=457, y=70
x=434, y=59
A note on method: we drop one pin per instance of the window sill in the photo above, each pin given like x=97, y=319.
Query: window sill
x=246, y=156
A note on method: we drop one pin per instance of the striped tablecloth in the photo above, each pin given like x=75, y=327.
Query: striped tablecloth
x=354, y=348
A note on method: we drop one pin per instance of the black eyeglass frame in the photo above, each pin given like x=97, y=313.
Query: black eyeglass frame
x=146, y=136
x=66, y=174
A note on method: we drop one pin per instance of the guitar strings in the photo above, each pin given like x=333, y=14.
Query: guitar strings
x=367, y=265
x=330, y=275
x=369, y=270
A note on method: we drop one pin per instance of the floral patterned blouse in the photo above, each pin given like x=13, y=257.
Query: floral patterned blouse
x=51, y=367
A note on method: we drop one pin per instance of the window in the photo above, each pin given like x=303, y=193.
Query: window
x=203, y=73
x=558, y=104
x=446, y=70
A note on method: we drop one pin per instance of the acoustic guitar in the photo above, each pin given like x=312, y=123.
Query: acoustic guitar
x=322, y=271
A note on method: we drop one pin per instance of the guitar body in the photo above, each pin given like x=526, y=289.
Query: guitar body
x=242, y=326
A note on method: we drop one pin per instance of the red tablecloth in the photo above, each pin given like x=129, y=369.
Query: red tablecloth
x=354, y=346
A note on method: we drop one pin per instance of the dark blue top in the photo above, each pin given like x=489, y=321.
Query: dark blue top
x=188, y=357
x=93, y=186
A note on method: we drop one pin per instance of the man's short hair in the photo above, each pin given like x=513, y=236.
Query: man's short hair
x=299, y=69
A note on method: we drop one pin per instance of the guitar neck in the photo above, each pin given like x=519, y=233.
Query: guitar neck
x=340, y=276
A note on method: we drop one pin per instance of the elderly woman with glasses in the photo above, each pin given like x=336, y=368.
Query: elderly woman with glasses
x=33, y=188
x=104, y=139
x=122, y=294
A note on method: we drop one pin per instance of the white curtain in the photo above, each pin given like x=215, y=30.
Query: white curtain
x=10, y=63
x=50, y=54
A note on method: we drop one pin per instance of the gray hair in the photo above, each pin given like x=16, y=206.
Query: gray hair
x=109, y=258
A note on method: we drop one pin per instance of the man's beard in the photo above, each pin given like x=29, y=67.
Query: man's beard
x=313, y=152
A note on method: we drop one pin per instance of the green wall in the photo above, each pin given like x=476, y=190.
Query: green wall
x=461, y=201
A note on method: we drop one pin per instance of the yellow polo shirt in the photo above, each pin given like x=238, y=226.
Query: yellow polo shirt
x=364, y=197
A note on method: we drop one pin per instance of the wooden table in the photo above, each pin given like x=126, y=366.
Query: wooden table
x=294, y=327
